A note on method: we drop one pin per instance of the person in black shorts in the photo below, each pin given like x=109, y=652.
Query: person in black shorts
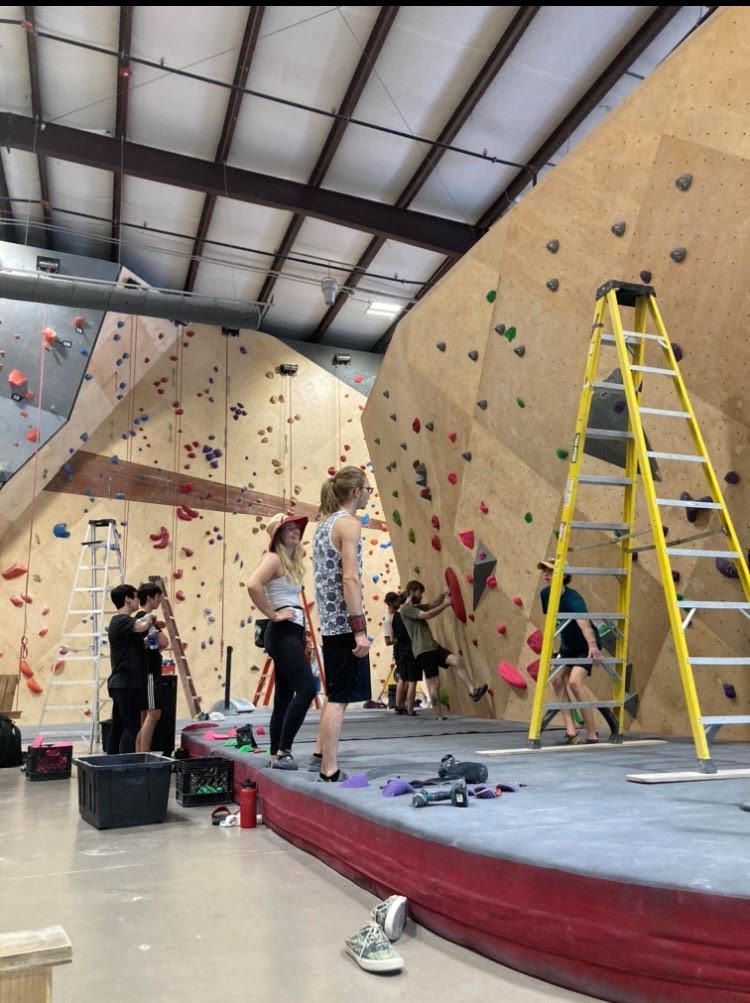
x=394, y=633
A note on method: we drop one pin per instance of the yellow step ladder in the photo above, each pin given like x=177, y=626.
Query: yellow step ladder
x=80, y=685
x=609, y=426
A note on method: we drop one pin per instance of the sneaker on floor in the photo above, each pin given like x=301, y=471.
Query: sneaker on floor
x=284, y=762
x=391, y=916
x=479, y=692
x=372, y=950
x=314, y=765
x=335, y=778
x=572, y=740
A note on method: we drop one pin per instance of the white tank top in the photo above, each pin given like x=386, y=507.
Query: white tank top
x=280, y=592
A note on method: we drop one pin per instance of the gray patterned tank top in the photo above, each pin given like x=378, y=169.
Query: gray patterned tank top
x=327, y=576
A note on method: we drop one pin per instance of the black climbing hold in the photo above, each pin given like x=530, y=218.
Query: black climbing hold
x=429, y=426
x=473, y=355
x=553, y=246
x=483, y=405
x=466, y=456
x=677, y=352
x=732, y=477
x=403, y=445
x=684, y=182
x=377, y=441
x=726, y=568
x=678, y=254
x=646, y=276
x=729, y=691
x=394, y=417
x=500, y=328
x=520, y=351
x=440, y=346
x=619, y=228
x=386, y=394
x=553, y=285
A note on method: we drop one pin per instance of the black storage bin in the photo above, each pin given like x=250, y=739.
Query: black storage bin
x=123, y=790
x=204, y=780
x=48, y=762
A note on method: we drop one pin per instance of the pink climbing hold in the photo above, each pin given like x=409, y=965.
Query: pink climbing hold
x=534, y=641
x=491, y=582
x=470, y=579
x=435, y=522
x=467, y=538
x=501, y=628
x=452, y=478
x=483, y=508
x=49, y=336
x=518, y=601
x=533, y=670
x=435, y=542
x=511, y=675
x=452, y=436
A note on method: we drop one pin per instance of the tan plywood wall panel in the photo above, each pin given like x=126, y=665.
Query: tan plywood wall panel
x=612, y=209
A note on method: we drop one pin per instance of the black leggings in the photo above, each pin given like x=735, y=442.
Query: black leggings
x=126, y=718
x=294, y=683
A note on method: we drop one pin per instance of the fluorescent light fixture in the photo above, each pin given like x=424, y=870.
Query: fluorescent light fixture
x=384, y=308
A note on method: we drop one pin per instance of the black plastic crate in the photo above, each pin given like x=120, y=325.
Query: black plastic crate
x=49, y=762
x=208, y=780
x=123, y=790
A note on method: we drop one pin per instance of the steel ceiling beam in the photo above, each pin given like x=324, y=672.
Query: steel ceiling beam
x=122, y=89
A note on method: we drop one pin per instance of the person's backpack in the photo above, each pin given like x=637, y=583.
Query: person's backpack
x=10, y=743
x=260, y=633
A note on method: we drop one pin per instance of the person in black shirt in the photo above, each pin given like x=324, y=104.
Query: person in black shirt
x=408, y=674
x=127, y=654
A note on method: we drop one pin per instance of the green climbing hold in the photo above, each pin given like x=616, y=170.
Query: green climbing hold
x=520, y=402
x=395, y=493
x=491, y=296
x=556, y=533
x=528, y=517
x=412, y=536
x=397, y=518
x=562, y=453
x=510, y=333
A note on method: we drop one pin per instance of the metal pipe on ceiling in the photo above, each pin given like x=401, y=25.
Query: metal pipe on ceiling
x=131, y=298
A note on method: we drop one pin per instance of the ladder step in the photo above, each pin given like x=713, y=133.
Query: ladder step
x=732, y=719
x=89, y=588
x=706, y=604
x=585, y=703
x=607, y=433
x=595, y=571
x=684, y=457
x=644, y=337
x=599, y=479
x=730, y=555
x=606, y=385
x=54, y=683
x=719, y=661
x=679, y=503
x=662, y=413
x=653, y=369
x=605, y=527
x=593, y=616
x=584, y=661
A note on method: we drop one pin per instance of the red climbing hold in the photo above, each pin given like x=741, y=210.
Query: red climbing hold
x=534, y=641
x=435, y=542
x=518, y=601
x=457, y=600
x=16, y=378
x=452, y=436
x=14, y=571
x=511, y=675
x=435, y=522
x=491, y=582
x=416, y=425
x=34, y=686
x=25, y=668
x=533, y=670
x=501, y=628
x=453, y=478
x=483, y=508
x=467, y=538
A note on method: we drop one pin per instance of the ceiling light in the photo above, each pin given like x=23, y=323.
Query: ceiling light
x=384, y=308
x=330, y=288
x=288, y=369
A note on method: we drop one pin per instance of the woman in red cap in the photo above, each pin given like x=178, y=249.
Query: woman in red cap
x=276, y=589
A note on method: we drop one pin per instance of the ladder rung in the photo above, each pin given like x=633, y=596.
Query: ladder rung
x=644, y=337
x=630, y=338
x=653, y=369
x=90, y=588
x=54, y=683
x=73, y=706
x=584, y=703
x=583, y=661
x=706, y=604
x=719, y=661
x=605, y=527
x=685, y=457
x=732, y=719
x=596, y=571
x=662, y=413
x=605, y=385
x=679, y=503
x=599, y=479
x=591, y=616
x=730, y=555
x=607, y=433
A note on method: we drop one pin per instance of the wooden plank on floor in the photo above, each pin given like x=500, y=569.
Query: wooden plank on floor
x=573, y=748
x=686, y=775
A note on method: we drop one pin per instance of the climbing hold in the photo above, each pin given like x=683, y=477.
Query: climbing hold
x=160, y=535
x=452, y=436
x=452, y=478
x=429, y=426
x=553, y=246
x=61, y=530
x=412, y=536
x=729, y=691
x=331, y=471
x=534, y=641
x=466, y=456
x=403, y=445
x=34, y=686
x=511, y=675
x=520, y=402
x=482, y=404
x=435, y=543
x=394, y=493
x=678, y=254
x=677, y=351
x=416, y=425
x=393, y=417
x=397, y=518
x=517, y=601
x=14, y=571
x=646, y=277
x=528, y=517
x=684, y=182
x=483, y=508
x=501, y=628
x=470, y=579
x=491, y=582
x=440, y=346
x=454, y=589
x=520, y=351
x=553, y=285
x=675, y=576
x=510, y=334
x=726, y=568
x=386, y=394
x=731, y=477
x=561, y=453
x=435, y=522
x=473, y=355
x=491, y=296
x=467, y=538
x=619, y=228
x=377, y=441
x=533, y=670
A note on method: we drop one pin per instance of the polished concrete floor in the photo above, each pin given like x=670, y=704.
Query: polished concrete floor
x=188, y=911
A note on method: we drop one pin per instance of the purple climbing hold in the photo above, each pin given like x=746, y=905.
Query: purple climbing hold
x=646, y=276
x=678, y=354
x=726, y=568
x=732, y=477
x=730, y=692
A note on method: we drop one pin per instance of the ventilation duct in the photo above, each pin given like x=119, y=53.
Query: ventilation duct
x=131, y=298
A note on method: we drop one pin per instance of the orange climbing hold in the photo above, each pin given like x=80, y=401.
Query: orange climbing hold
x=25, y=668
x=16, y=600
x=14, y=571
x=16, y=378
x=34, y=686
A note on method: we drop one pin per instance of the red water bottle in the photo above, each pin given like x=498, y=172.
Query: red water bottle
x=248, y=804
